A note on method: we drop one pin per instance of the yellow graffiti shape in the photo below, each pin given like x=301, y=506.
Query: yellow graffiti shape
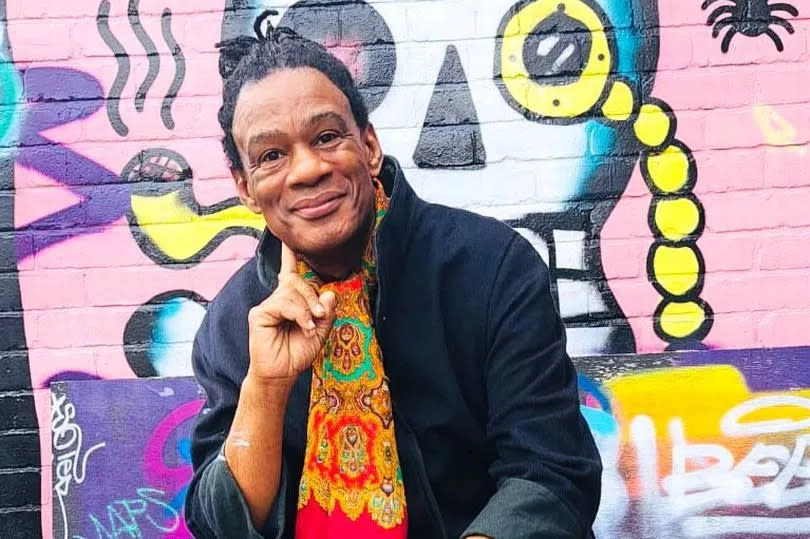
x=713, y=402
x=681, y=319
x=776, y=129
x=179, y=233
x=699, y=395
x=555, y=100
x=653, y=126
x=677, y=218
x=619, y=104
x=677, y=269
x=668, y=171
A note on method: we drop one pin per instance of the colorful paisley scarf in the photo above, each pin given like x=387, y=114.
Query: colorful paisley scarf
x=351, y=484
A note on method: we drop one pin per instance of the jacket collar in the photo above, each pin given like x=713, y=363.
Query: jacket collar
x=393, y=234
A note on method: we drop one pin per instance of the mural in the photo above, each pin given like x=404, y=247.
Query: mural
x=90, y=441
x=722, y=454
x=121, y=56
x=661, y=176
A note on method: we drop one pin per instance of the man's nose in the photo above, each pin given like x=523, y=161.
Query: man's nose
x=451, y=137
x=306, y=167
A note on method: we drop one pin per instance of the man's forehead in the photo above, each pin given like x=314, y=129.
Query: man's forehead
x=300, y=95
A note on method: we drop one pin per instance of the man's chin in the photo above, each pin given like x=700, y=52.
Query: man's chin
x=317, y=240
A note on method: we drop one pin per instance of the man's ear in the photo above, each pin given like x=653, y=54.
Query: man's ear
x=243, y=189
x=375, y=153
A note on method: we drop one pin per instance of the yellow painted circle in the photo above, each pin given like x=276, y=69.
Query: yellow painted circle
x=652, y=125
x=677, y=218
x=619, y=104
x=668, y=170
x=677, y=269
x=682, y=319
x=555, y=101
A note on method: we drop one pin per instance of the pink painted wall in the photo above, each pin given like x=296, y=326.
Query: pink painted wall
x=744, y=113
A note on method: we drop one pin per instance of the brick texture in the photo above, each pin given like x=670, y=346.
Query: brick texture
x=91, y=288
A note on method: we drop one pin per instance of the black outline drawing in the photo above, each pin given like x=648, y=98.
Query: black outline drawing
x=531, y=115
x=179, y=69
x=124, y=65
x=151, y=53
x=751, y=18
x=137, y=337
x=693, y=340
x=341, y=21
x=590, y=212
x=122, y=58
x=172, y=179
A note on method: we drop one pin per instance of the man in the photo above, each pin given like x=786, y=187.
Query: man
x=384, y=367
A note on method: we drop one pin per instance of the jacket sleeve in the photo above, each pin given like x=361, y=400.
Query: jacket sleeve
x=215, y=506
x=547, y=468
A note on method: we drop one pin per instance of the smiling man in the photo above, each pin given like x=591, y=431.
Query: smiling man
x=384, y=367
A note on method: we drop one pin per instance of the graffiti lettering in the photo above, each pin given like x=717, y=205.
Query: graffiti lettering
x=129, y=517
x=705, y=476
x=70, y=465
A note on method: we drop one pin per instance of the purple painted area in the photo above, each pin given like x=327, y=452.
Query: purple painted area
x=121, y=460
x=64, y=376
x=56, y=97
x=765, y=369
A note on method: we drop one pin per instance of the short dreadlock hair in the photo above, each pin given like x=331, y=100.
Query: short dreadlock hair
x=247, y=59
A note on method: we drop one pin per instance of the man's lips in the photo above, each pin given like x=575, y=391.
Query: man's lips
x=318, y=206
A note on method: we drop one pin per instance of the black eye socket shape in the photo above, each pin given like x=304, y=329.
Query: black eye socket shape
x=356, y=32
x=557, y=49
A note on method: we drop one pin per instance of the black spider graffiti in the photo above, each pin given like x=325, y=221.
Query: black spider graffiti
x=750, y=18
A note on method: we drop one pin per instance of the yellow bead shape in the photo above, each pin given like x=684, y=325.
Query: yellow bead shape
x=548, y=100
x=681, y=319
x=668, y=170
x=677, y=269
x=652, y=126
x=676, y=218
x=619, y=104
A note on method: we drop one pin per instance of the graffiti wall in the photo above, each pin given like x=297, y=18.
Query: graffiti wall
x=654, y=153
x=95, y=432
x=720, y=453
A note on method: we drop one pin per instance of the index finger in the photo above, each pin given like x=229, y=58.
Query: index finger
x=289, y=262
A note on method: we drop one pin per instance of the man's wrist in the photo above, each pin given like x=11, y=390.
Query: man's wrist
x=275, y=390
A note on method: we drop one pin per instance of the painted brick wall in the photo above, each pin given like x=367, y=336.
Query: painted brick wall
x=657, y=162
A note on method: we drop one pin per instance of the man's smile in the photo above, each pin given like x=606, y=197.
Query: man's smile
x=319, y=206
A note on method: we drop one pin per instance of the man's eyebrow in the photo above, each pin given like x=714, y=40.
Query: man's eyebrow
x=258, y=138
x=327, y=115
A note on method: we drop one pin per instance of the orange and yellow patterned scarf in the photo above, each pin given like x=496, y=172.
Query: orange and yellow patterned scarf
x=351, y=484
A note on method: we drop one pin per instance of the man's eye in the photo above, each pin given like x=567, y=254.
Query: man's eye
x=326, y=138
x=272, y=155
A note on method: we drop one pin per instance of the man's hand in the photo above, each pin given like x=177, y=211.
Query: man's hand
x=288, y=329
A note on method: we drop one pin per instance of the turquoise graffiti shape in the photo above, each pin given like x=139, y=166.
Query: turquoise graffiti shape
x=10, y=99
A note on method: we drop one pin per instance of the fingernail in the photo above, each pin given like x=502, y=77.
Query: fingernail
x=310, y=325
x=318, y=310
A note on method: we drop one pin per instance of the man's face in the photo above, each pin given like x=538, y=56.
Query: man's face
x=306, y=165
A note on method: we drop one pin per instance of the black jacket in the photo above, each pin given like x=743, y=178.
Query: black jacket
x=489, y=433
